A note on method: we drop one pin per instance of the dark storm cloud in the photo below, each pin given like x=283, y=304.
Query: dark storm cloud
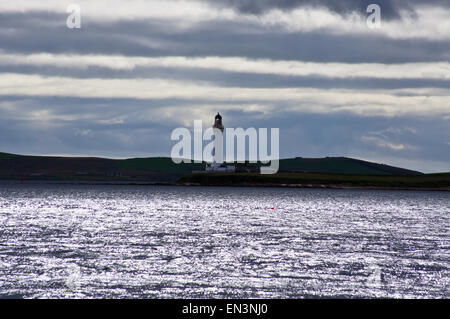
x=390, y=8
x=214, y=38
x=229, y=79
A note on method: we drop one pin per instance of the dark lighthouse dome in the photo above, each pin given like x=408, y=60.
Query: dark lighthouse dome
x=218, y=122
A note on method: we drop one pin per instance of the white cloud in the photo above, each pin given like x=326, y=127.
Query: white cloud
x=383, y=138
x=180, y=12
x=363, y=102
x=432, y=70
x=394, y=131
x=430, y=23
x=386, y=144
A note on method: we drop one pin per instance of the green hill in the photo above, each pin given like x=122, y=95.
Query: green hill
x=340, y=165
x=159, y=164
x=330, y=165
x=162, y=169
x=7, y=156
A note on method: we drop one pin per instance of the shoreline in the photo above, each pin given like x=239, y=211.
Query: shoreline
x=320, y=186
x=194, y=184
x=439, y=182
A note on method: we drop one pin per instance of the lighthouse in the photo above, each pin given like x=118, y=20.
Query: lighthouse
x=218, y=122
x=217, y=164
x=218, y=143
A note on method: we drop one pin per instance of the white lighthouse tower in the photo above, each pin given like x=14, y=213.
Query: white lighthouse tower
x=217, y=164
x=218, y=143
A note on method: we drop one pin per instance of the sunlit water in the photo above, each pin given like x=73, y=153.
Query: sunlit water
x=197, y=242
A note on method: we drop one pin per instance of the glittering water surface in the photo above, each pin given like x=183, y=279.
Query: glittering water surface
x=198, y=242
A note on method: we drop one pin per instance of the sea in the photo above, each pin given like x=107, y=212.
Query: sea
x=61, y=240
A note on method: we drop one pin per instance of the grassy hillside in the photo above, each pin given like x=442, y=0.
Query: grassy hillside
x=158, y=169
x=159, y=164
x=341, y=165
x=7, y=156
x=330, y=165
x=337, y=170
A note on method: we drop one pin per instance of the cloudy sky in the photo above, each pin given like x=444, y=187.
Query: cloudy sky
x=137, y=69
